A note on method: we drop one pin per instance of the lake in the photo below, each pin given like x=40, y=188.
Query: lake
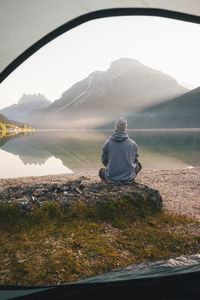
x=61, y=151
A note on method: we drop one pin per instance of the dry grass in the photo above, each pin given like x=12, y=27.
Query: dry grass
x=55, y=245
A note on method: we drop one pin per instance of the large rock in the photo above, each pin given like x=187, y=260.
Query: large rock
x=71, y=192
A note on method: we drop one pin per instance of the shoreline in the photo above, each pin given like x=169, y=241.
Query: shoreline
x=180, y=189
x=18, y=130
x=111, y=129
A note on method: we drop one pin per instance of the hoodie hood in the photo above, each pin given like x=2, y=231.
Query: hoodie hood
x=119, y=136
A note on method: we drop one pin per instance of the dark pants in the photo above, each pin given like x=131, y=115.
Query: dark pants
x=103, y=170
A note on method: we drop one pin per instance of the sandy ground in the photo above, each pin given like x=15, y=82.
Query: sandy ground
x=180, y=189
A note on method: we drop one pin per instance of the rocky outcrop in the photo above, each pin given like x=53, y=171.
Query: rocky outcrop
x=71, y=192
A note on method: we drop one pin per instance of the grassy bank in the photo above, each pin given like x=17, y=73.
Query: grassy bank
x=54, y=245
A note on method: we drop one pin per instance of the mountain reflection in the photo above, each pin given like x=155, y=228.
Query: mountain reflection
x=82, y=149
x=5, y=136
x=76, y=149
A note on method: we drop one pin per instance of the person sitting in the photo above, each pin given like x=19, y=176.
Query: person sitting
x=120, y=156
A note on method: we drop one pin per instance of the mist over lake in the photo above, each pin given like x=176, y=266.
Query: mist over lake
x=61, y=151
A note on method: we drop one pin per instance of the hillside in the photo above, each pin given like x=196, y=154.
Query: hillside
x=10, y=129
x=3, y=119
x=24, y=110
x=181, y=112
x=127, y=86
x=9, y=123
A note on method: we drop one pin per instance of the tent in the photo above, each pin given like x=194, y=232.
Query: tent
x=170, y=279
x=26, y=26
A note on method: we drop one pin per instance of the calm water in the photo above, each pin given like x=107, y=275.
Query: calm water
x=56, y=152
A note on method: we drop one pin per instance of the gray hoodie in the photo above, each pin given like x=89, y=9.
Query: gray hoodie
x=120, y=156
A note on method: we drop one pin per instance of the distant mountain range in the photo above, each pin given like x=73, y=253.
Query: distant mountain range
x=26, y=107
x=126, y=87
x=147, y=97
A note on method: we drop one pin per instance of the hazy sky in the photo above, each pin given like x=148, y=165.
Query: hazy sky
x=167, y=45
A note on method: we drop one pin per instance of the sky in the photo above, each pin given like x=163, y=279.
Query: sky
x=171, y=46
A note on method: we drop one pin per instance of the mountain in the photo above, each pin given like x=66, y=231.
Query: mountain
x=26, y=107
x=3, y=119
x=181, y=112
x=127, y=86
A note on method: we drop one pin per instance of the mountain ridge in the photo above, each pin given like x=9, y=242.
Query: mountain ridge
x=127, y=86
x=23, y=110
x=181, y=112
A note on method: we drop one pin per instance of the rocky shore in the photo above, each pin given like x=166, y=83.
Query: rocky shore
x=82, y=189
x=177, y=190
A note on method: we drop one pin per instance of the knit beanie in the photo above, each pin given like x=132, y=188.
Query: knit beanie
x=121, y=125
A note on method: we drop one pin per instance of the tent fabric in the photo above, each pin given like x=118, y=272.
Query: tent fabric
x=27, y=25
x=176, y=278
x=25, y=22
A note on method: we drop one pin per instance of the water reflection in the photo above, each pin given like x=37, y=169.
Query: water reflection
x=53, y=152
x=182, y=145
x=12, y=167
